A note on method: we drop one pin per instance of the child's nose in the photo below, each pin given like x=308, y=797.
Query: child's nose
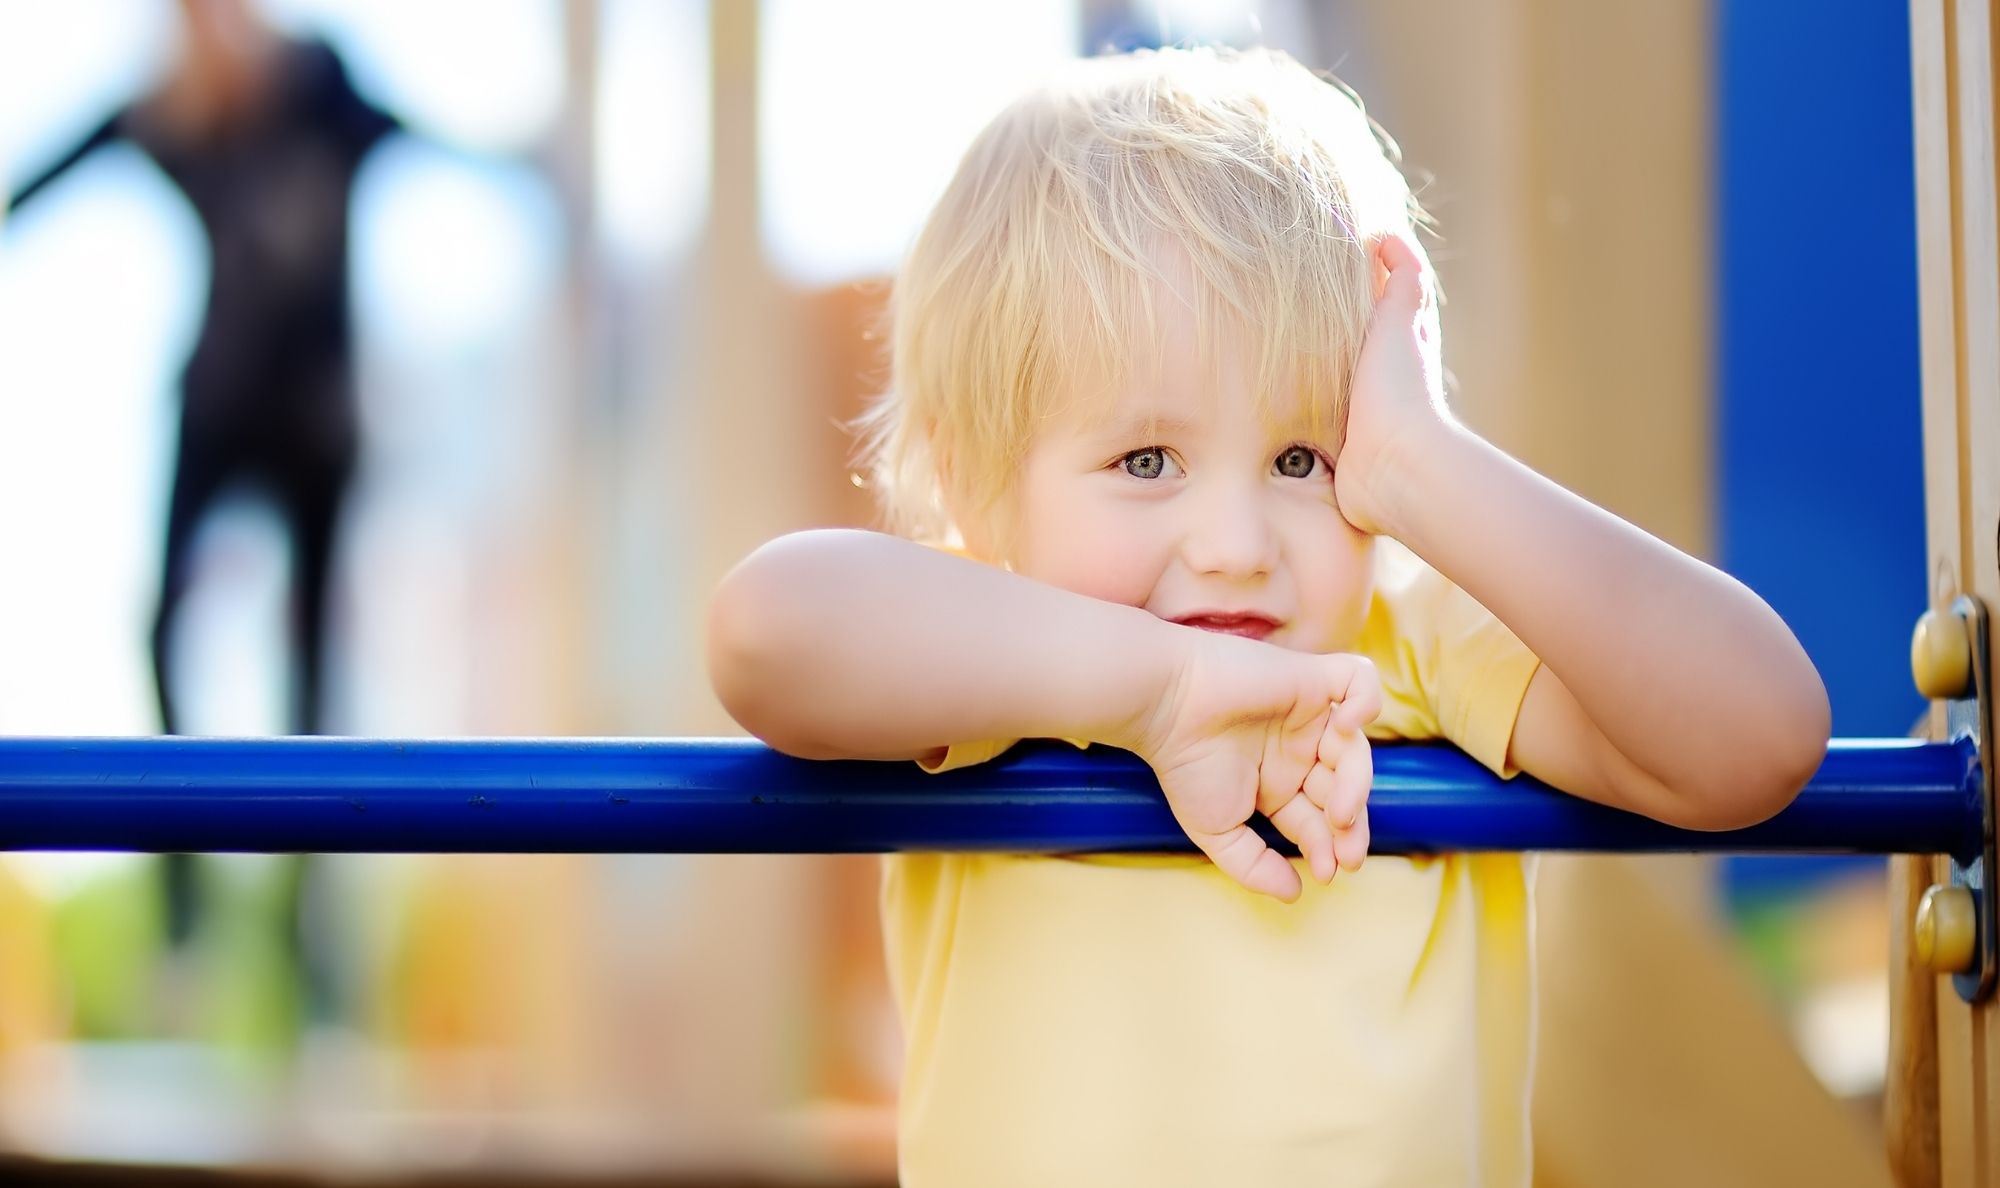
x=1229, y=533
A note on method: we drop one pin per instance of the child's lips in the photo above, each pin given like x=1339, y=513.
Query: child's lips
x=1250, y=626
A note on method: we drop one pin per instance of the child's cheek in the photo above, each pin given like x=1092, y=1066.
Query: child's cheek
x=1103, y=560
x=1335, y=584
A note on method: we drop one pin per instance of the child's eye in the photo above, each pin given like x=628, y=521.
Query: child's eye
x=1149, y=463
x=1297, y=462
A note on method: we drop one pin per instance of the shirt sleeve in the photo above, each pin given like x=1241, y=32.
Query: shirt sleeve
x=970, y=754
x=1451, y=668
x=973, y=754
x=1483, y=675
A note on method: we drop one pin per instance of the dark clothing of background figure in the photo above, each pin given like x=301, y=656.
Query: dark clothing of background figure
x=268, y=393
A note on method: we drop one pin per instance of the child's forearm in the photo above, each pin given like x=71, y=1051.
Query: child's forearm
x=840, y=644
x=1682, y=669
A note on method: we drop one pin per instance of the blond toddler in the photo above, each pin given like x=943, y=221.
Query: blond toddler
x=1167, y=458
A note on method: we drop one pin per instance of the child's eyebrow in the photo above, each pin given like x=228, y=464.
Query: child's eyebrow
x=1120, y=428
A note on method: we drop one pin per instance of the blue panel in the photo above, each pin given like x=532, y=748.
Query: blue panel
x=717, y=796
x=1819, y=445
x=1819, y=451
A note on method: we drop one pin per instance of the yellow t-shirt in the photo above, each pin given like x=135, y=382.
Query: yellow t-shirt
x=1100, y=1020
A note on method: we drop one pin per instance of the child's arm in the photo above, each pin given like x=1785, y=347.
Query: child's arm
x=856, y=645
x=1667, y=687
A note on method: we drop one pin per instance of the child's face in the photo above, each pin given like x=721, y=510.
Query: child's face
x=1186, y=501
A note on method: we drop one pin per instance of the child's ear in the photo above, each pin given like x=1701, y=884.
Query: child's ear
x=978, y=542
x=976, y=529
x=953, y=496
x=973, y=530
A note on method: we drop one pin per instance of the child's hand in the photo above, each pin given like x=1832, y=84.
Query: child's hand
x=1251, y=727
x=1397, y=395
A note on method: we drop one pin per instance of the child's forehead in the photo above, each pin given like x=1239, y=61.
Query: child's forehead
x=1183, y=355
x=1193, y=400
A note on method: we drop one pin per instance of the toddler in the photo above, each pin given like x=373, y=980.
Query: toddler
x=1169, y=466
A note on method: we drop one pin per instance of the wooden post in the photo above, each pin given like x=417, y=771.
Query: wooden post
x=1958, y=263
x=1910, y=1092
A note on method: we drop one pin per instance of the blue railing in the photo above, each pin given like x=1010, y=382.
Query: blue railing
x=727, y=796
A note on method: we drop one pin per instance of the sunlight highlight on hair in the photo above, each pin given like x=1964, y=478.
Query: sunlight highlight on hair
x=1239, y=183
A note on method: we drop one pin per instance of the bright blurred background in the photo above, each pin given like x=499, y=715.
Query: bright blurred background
x=614, y=287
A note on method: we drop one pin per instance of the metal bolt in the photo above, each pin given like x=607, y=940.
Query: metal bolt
x=1941, y=656
x=1947, y=929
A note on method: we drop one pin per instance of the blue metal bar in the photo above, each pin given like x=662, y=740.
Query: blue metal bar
x=726, y=796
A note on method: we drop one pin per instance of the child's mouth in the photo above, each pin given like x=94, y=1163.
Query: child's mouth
x=1250, y=626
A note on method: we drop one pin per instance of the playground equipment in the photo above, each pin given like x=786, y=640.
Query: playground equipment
x=1930, y=801
x=1897, y=796
x=728, y=796
x=1943, y=1099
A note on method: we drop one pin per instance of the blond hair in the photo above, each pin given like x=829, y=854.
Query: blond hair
x=1037, y=273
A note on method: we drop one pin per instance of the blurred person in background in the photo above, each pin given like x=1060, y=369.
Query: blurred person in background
x=264, y=135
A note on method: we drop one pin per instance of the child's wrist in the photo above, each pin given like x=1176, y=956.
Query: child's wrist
x=1145, y=666
x=1406, y=478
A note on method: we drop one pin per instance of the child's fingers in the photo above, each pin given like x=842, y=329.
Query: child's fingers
x=1349, y=762
x=1356, y=690
x=1319, y=786
x=1352, y=763
x=1243, y=856
x=1342, y=773
x=1290, y=751
x=1302, y=821
x=1403, y=289
x=1356, y=710
x=1350, y=845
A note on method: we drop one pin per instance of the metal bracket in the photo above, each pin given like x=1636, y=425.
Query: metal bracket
x=1972, y=717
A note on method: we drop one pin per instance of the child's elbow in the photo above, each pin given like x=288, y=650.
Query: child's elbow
x=737, y=646
x=749, y=635
x=1779, y=762
x=1800, y=748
